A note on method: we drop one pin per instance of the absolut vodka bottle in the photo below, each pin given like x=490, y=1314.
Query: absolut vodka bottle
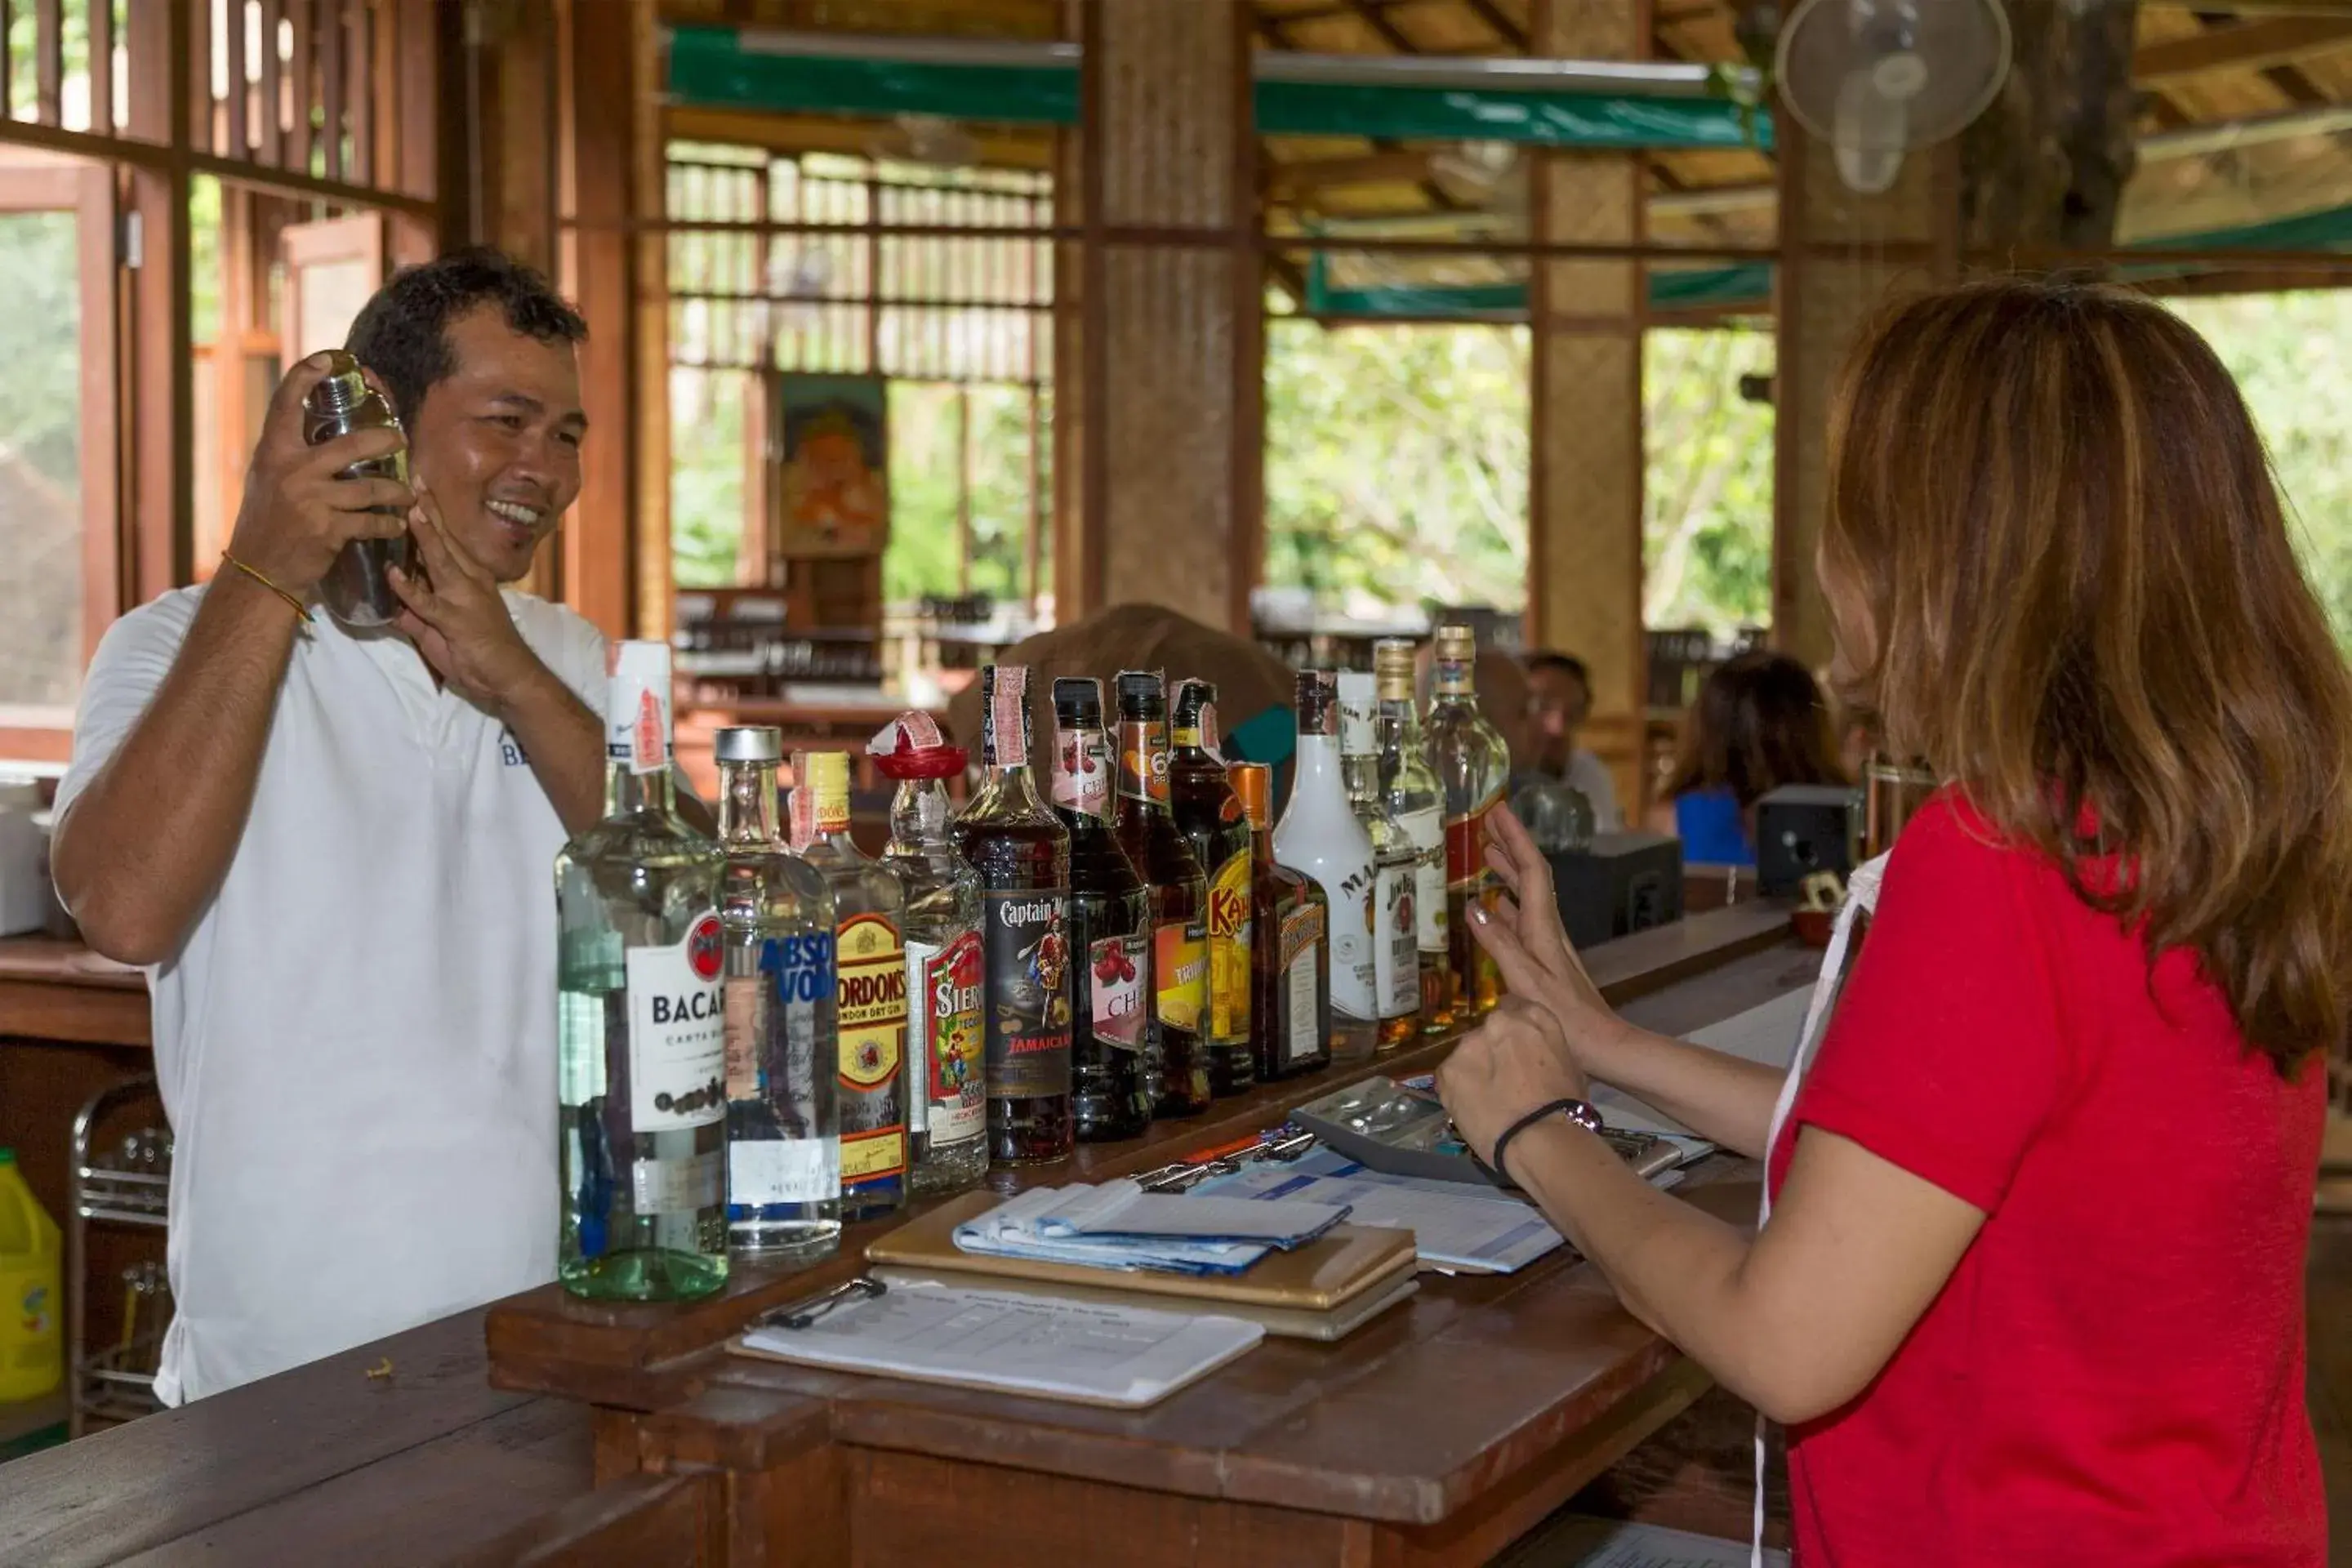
x=640, y=1059
x=783, y=1142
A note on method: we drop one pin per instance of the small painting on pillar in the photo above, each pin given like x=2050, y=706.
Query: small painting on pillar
x=833, y=450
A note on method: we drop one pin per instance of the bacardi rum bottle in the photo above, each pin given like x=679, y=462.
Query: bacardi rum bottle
x=783, y=1128
x=1290, y=956
x=1473, y=767
x=1414, y=799
x=1180, y=896
x=947, y=1096
x=1110, y=931
x=1210, y=817
x=641, y=1057
x=1021, y=852
x=1396, y=947
x=869, y=948
x=1319, y=836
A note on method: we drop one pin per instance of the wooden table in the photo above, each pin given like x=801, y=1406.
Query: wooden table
x=550, y=1431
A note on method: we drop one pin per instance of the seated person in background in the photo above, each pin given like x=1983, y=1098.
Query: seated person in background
x=1760, y=722
x=1560, y=700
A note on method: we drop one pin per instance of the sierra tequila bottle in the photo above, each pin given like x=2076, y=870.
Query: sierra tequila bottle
x=640, y=1056
x=783, y=1129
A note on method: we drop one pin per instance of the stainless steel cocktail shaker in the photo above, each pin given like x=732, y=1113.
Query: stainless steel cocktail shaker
x=356, y=590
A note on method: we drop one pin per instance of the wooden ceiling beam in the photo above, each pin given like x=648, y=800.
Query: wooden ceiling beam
x=1310, y=175
x=2248, y=45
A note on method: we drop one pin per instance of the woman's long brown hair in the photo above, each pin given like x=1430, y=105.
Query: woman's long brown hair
x=1760, y=722
x=2060, y=573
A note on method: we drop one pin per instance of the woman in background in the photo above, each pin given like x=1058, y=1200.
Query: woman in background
x=1760, y=722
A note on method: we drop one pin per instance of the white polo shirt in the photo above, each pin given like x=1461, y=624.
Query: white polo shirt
x=356, y=1045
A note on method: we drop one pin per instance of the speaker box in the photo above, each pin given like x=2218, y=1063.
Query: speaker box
x=1805, y=828
x=1626, y=882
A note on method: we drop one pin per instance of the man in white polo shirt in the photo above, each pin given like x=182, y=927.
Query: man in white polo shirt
x=333, y=851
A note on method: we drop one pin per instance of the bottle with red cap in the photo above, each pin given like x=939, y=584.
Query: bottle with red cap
x=947, y=1097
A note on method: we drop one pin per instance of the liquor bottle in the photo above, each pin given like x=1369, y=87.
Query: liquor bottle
x=641, y=1057
x=1290, y=954
x=947, y=1096
x=870, y=958
x=1210, y=817
x=1180, y=896
x=775, y=913
x=1472, y=766
x=1110, y=931
x=1414, y=797
x=1396, y=943
x=1318, y=836
x=1021, y=852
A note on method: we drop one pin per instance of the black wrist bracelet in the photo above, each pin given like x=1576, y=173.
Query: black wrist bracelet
x=1577, y=1111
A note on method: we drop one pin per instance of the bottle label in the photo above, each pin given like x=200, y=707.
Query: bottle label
x=794, y=972
x=1203, y=732
x=872, y=1024
x=1302, y=943
x=744, y=1021
x=1355, y=976
x=685, y=1185
x=1179, y=963
x=764, y=1171
x=1229, y=952
x=1465, y=840
x=1396, y=944
x=1143, y=761
x=1027, y=957
x=1122, y=1000
x=1082, y=773
x=943, y=1031
x=677, y=1050
x=1426, y=829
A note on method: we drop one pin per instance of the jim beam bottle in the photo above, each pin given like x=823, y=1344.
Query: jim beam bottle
x=1319, y=836
x=1396, y=948
x=1290, y=956
x=869, y=946
x=784, y=1126
x=1413, y=798
x=1021, y=852
x=1473, y=767
x=1113, y=1035
x=1209, y=815
x=641, y=1062
x=1179, y=894
x=946, y=1098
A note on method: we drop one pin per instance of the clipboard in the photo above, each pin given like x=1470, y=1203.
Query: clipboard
x=1282, y=1322
x=1320, y=1276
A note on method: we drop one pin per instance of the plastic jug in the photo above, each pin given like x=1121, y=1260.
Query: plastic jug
x=32, y=1297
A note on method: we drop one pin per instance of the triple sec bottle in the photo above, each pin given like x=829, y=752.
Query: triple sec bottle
x=1290, y=959
x=641, y=1069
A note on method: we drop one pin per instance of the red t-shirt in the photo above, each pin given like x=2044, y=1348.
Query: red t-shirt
x=2114, y=1374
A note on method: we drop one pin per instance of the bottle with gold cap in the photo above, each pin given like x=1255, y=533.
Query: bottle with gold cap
x=1201, y=799
x=869, y=948
x=1419, y=807
x=1472, y=766
x=1290, y=956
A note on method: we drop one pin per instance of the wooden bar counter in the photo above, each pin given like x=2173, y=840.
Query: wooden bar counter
x=1439, y=1433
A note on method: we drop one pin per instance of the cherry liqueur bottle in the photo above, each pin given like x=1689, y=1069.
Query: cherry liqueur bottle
x=1110, y=931
x=1180, y=896
x=1290, y=958
x=640, y=1066
x=1472, y=766
x=869, y=950
x=775, y=911
x=1209, y=815
x=1396, y=949
x=1419, y=807
x=947, y=1098
x=1021, y=852
x=1319, y=836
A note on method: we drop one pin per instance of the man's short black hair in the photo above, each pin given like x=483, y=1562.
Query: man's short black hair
x=402, y=334
x=1566, y=663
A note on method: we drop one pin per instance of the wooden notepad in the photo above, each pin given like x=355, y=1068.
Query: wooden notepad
x=1321, y=1277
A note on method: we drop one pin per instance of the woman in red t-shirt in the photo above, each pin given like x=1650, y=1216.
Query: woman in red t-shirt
x=2031, y=1286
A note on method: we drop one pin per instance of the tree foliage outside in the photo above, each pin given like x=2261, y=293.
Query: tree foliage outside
x=41, y=460
x=925, y=554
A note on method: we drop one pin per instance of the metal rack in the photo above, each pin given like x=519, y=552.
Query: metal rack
x=128, y=1186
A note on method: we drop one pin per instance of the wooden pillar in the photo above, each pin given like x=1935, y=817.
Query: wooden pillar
x=1171, y=339
x=1584, y=525
x=1843, y=254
